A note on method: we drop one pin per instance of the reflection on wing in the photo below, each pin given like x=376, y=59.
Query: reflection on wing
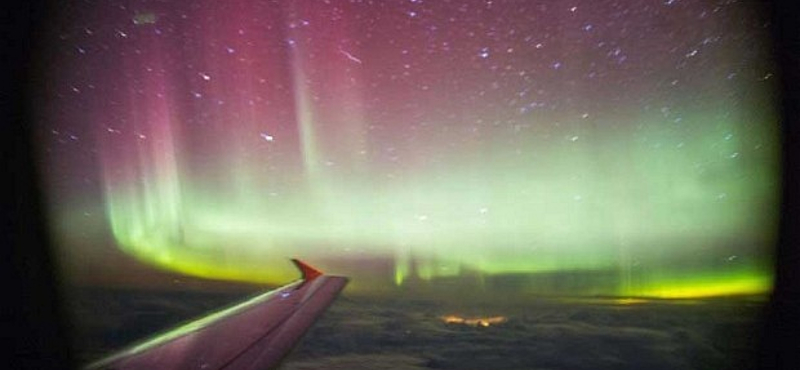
x=255, y=334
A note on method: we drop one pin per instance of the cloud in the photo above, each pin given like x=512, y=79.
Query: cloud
x=402, y=333
x=359, y=362
x=654, y=335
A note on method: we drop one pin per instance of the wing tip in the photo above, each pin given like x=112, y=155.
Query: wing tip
x=309, y=273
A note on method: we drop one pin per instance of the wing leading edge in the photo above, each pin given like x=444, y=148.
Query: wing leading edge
x=255, y=334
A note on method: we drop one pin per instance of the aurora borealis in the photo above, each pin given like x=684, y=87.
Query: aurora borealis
x=635, y=138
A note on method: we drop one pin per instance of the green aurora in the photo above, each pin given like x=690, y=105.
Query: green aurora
x=612, y=203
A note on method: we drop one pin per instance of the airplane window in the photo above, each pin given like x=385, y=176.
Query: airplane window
x=507, y=184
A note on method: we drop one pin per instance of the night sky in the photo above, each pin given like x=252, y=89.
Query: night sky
x=633, y=139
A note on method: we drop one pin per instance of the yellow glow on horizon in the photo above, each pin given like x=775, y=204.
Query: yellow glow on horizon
x=712, y=288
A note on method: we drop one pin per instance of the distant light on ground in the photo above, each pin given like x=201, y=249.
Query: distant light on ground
x=474, y=321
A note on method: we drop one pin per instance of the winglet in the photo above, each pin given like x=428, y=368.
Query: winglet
x=309, y=273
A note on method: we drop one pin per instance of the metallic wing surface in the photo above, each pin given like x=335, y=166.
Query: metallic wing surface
x=255, y=334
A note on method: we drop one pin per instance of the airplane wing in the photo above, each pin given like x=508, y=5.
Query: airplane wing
x=255, y=334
